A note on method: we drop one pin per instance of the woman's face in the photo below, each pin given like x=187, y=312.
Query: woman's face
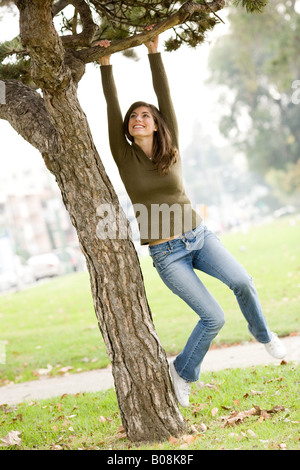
x=141, y=123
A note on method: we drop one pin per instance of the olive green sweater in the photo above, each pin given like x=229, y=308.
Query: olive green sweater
x=161, y=205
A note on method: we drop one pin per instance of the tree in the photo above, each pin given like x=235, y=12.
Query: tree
x=260, y=71
x=42, y=105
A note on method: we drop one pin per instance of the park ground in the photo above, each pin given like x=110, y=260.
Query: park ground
x=50, y=330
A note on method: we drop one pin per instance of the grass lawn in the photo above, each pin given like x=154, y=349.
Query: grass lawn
x=51, y=328
x=220, y=416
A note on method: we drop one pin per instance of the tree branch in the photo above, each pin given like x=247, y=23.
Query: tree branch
x=187, y=10
x=88, y=27
x=24, y=109
x=43, y=44
x=59, y=6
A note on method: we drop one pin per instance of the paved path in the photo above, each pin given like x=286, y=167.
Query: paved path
x=101, y=379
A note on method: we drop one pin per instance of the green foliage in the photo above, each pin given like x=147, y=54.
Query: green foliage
x=287, y=181
x=14, y=62
x=116, y=21
x=119, y=20
x=17, y=71
x=251, y=5
x=258, y=61
x=8, y=48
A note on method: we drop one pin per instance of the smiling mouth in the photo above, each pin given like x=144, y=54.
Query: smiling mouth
x=138, y=127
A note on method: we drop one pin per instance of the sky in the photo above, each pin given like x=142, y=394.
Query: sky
x=194, y=100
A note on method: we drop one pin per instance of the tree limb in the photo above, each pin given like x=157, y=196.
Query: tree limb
x=54, y=60
x=187, y=10
x=25, y=110
x=59, y=6
x=39, y=37
x=88, y=27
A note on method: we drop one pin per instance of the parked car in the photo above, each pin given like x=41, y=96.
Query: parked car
x=285, y=210
x=45, y=265
x=16, y=275
x=8, y=280
x=72, y=258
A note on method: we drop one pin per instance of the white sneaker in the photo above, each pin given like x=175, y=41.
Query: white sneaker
x=182, y=387
x=275, y=347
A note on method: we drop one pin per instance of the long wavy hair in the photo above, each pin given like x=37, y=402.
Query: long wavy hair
x=164, y=153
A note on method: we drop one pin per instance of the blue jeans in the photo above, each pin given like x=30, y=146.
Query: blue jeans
x=175, y=261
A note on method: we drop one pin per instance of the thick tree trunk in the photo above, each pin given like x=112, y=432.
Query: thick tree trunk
x=139, y=365
x=145, y=395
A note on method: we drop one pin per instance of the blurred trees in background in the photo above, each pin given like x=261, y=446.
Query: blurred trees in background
x=257, y=64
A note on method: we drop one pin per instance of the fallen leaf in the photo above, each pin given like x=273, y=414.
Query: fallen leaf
x=238, y=417
x=264, y=441
x=214, y=411
x=56, y=447
x=282, y=446
x=12, y=439
x=183, y=446
x=121, y=428
x=199, y=408
x=202, y=385
x=202, y=427
x=278, y=379
x=173, y=441
x=188, y=438
x=121, y=433
x=6, y=409
x=276, y=409
x=64, y=370
x=264, y=415
x=251, y=433
x=43, y=371
x=18, y=417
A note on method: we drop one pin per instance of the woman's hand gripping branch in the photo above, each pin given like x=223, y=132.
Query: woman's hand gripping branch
x=152, y=45
x=105, y=60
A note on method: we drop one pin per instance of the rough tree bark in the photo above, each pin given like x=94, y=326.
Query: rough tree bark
x=139, y=365
x=57, y=126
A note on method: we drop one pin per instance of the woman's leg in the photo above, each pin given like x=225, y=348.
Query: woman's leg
x=215, y=260
x=176, y=270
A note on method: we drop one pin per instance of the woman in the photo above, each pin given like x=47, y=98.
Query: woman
x=145, y=148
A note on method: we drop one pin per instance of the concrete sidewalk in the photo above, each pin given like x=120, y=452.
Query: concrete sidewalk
x=250, y=354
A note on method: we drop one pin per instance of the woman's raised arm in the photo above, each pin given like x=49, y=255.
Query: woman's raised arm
x=117, y=139
x=161, y=88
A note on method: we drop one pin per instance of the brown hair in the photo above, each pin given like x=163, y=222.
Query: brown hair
x=164, y=153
